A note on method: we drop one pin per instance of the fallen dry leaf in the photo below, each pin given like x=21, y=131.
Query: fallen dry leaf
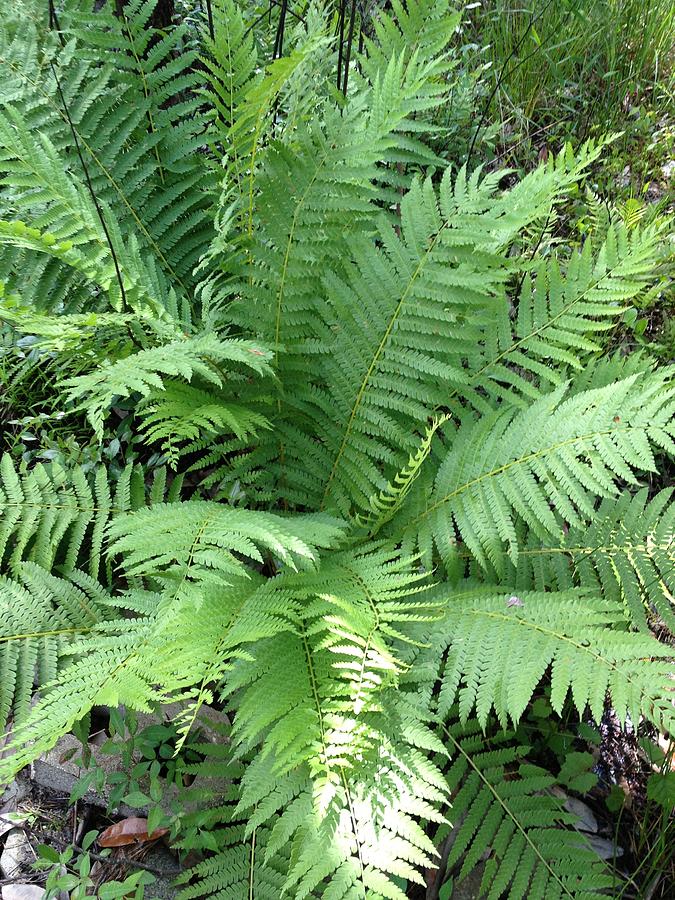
x=133, y=830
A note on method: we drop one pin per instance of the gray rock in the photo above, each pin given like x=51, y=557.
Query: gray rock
x=17, y=853
x=161, y=889
x=57, y=770
x=22, y=892
x=14, y=793
x=604, y=848
x=587, y=821
x=11, y=820
x=165, y=862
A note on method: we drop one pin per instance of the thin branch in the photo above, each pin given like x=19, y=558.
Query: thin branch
x=209, y=15
x=503, y=73
x=90, y=186
x=281, y=28
x=341, y=40
x=352, y=19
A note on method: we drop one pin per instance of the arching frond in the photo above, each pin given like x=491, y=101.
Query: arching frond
x=503, y=809
x=545, y=465
x=40, y=616
x=191, y=531
x=389, y=342
x=143, y=372
x=57, y=517
x=494, y=649
x=626, y=552
x=562, y=315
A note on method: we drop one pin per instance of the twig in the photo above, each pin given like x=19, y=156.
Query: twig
x=209, y=14
x=348, y=54
x=503, y=73
x=97, y=205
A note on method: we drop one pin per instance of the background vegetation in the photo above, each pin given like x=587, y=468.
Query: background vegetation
x=335, y=347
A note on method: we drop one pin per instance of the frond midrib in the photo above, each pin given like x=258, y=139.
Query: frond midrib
x=537, y=454
x=379, y=351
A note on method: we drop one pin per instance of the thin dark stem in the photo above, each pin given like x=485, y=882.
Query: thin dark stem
x=118, y=271
x=209, y=16
x=352, y=20
x=261, y=17
x=281, y=27
x=341, y=39
x=54, y=21
x=502, y=74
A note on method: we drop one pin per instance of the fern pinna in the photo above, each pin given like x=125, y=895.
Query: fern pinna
x=381, y=487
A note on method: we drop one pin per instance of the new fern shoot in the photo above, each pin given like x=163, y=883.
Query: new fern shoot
x=366, y=409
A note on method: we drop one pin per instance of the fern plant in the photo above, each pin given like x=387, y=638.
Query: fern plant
x=402, y=488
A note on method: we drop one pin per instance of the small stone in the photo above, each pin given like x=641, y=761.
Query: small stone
x=668, y=170
x=604, y=848
x=14, y=793
x=10, y=821
x=586, y=819
x=22, y=892
x=57, y=771
x=625, y=178
x=16, y=853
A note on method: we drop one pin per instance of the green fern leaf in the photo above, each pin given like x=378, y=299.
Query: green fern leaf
x=558, y=456
x=500, y=646
x=142, y=372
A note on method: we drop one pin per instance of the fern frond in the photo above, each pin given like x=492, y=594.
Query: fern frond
x=182, y=414
x=105, y=670
x=558, y=456
x=40, y=616
x=96, y=268
x=145, y=659
x=231, y=59
x=499, y=648
x=237, y=870
x=68, y=331
x=332, y=170
x=142, y=372
x=425, y=26
x=56, y=517
x=246, y=137
x=384, y=363
x=626, y=552
x=201, y=539
x=389, y=501
x=632, y=212
x=560, y=315
x=46, y=514
x=369, y=778
x=128, y=126
x=503, y=808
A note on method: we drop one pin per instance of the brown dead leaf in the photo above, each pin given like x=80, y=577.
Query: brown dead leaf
x=133, y=830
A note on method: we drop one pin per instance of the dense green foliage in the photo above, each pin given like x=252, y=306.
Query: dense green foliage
x=371, y=482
